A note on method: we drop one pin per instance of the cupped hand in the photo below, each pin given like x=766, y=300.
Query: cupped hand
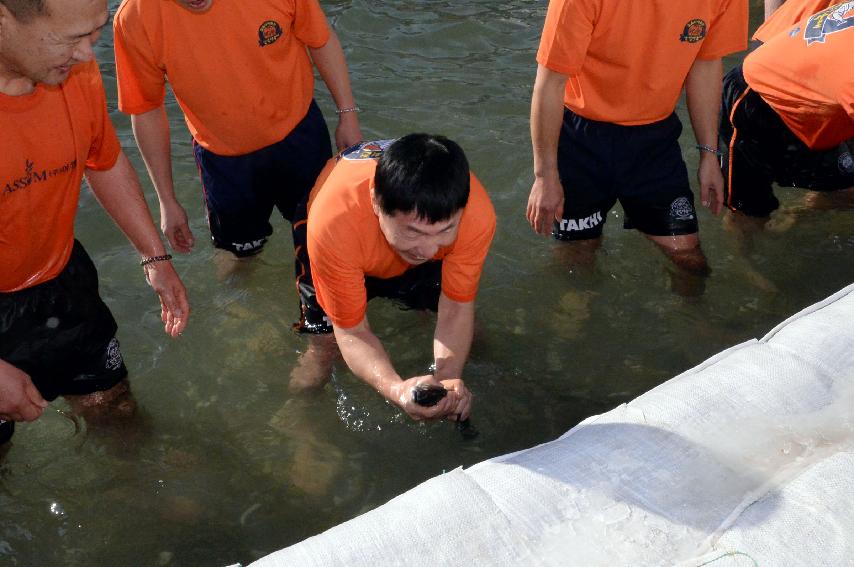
x=174, y=306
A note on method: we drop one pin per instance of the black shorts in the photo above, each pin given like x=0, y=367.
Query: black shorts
x=61, y=333
x=641, y=166
x=416, y=288
x=241, y=191
x=762, y=150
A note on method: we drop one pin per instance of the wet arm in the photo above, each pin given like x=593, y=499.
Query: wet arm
x=545, y=202
x=332, y=66
x=453, y=337
x=364, y=354
x=368, y=360
x=703, y=96
x=117, y=190
x=151, y=131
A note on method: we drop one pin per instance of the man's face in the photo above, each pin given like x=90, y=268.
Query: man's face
x=417, y=240
x=196, y=5
x=45, y=48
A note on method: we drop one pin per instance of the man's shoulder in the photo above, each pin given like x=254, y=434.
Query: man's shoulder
x=131, y=11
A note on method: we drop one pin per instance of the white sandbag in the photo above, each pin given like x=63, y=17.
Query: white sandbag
x=745, y=459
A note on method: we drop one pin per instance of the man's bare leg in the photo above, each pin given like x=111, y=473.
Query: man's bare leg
x=578, y=254
x=691, y=267
x=314, y=366
x=115, y=404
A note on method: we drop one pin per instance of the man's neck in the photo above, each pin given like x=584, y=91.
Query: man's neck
x=14, y=84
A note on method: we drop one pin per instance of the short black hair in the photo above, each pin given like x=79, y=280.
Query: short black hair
x=423, y=173
x=25, y=10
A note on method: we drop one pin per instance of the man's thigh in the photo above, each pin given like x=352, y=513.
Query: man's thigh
x=241, y=191
x=653, y=180
x=62, y=334
x=584, y=149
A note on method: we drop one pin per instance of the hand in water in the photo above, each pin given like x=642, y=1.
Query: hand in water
x=449, y=406
x=19, y=398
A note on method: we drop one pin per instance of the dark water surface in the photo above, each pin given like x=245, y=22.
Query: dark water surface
x=223, y=465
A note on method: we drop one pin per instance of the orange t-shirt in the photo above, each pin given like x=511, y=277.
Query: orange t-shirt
x=627, y=60
x=50, y=137
x=786, y=16
x=807, y=77
x=345, y=243
x=240, y=70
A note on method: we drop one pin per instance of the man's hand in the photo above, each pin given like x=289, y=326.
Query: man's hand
x=19, y=398
x=711, y=182
x=174, y=307
x=545, y=203
x=453, y=405
x=348, y=133
x=176, y=227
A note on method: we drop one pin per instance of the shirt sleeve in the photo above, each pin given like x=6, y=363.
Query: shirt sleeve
x=462, y=267
x=141, y=80
x=566, y=35
x=105, y=147
x=728, y=32
x=310, y=25
x=339, y=285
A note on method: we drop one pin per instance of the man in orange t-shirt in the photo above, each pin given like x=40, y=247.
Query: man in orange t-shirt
x=57, y=337
x=603, y=125
x=782, y=16
x=788, y=114
x=407, y=220
x=242, y=74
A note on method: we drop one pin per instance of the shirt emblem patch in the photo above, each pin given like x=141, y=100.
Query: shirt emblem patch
x=366, y=150
x=269, y=32
x=694, y=31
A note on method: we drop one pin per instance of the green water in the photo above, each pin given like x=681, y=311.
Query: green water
x=222, y=465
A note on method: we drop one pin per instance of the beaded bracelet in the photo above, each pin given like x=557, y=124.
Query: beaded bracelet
x=710, y=149
x=151, y=259
x=340, y=111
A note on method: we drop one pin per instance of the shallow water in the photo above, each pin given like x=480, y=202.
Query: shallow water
x=223, y=465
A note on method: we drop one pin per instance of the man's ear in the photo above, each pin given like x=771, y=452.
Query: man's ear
x=374, y=203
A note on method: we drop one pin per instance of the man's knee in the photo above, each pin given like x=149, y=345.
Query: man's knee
x=684, y=251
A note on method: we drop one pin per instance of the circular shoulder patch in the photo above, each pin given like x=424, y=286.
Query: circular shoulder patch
x=694, y=31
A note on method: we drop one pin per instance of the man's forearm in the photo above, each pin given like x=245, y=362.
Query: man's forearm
x=151, y=131
x=332, y=66
x=703, y=97
x=453, y=337
x=118, y=191
x=771, y=7
x=546, y=119
x=367, y=359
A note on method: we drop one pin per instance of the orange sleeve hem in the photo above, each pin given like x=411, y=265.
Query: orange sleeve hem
x=107, y=164
x=345, y=323
x=139, y=108
x=557, y=67
x=466, y=298
x=319, y=43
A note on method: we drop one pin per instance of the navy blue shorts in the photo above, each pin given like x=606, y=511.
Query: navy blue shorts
x=61, y=333
x=762, y=151
x=641, y=166
x=241, y=191
x=417, y=288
